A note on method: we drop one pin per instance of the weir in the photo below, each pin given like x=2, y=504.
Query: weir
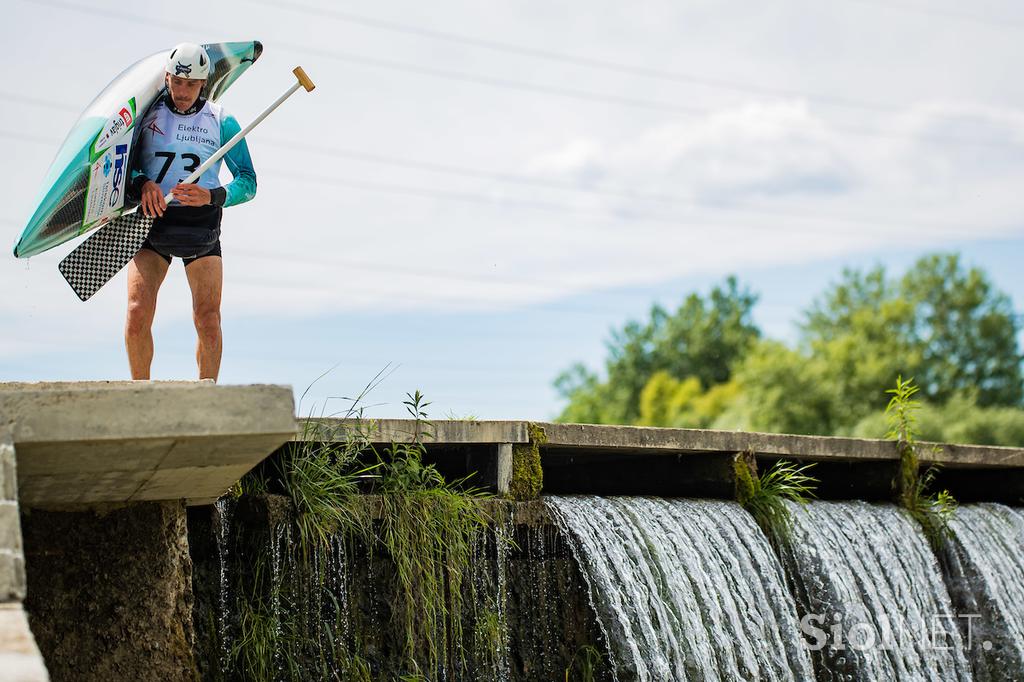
x=684, y=589
x=139, y=566
x=984, y=569
x=873, y=597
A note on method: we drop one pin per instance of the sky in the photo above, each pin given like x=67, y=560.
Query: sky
x=477, y=193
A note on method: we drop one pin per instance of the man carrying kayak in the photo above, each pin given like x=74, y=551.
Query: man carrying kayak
x=181, y=131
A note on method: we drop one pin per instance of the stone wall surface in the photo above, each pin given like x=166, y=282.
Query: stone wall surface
x=12, y=556
x=110, y=592
x=20, y=660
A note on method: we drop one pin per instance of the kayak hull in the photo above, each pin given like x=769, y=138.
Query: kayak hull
x=85, y=185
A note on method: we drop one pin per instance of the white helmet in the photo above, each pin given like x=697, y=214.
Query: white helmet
x=189, y=60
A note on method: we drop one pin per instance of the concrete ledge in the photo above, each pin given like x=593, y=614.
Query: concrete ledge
x=87, y=443
x=638, y=460
x=694, y=441
x=603, y=438
x=457, y=432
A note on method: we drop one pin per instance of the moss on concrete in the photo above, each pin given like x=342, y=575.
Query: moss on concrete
x=907, y=480
x=527, y=474
x=744, y=468
x=110, y=593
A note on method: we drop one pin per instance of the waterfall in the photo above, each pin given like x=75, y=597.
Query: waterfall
x=873, y=602
x=684, y=590
x=221, y=521
x=984, y=567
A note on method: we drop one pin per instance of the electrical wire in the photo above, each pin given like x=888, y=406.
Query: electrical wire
x=509, y=84
x=857, y=225
x=574, y=60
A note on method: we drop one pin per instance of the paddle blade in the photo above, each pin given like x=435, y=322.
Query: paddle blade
x=104, y=253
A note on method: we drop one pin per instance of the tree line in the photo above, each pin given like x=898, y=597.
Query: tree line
x=708, y=365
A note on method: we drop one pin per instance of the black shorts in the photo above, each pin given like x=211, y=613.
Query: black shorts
x=201, y=223
x=215, y=251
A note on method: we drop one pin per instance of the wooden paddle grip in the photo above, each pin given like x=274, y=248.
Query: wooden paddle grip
x=303, y=78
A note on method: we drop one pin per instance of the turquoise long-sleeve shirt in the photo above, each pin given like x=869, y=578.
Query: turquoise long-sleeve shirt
x=242, y=187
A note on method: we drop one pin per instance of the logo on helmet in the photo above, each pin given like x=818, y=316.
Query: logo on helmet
x=180, y=69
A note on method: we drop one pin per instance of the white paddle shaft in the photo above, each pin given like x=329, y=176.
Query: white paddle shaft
x=219, y=154
x=303, y=82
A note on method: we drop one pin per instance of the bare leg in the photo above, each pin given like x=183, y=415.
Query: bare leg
x=145, y=275
x=206, y=277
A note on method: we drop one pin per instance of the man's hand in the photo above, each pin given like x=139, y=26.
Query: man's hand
x=153, y=203
x=191, y=195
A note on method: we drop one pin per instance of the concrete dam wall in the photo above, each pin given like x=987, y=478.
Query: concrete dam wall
x=193, y=531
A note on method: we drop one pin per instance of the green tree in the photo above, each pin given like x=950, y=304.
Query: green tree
x=704, y=338
x=966, y=331
x=665, y=399
x=941, y=322
x=945, y=325
x=961, y=420
x=858, y=335
x=782, y=391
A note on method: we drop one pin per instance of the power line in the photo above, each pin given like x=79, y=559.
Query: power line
x=598, y=190
x=134, y=18
x=633, y=218
x=475, y=173
x=602, y=214
x=504, y=83
x=427, y=71
x=406, y=67
x=576, y=60
x=419, y=270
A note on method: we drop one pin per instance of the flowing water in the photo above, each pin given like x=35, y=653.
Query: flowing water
x=668, y=589
x=684, y=589
x=872, y=597
x=984, y=567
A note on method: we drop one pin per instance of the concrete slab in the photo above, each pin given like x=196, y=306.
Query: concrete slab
x=205, y=484
x=86, y=443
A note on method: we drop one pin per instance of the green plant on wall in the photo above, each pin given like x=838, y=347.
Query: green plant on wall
x=765, y=495
x=585, y=665
x=254, y=651
x=262, y=649
x=489, y=635
x=321, y=474
x=428, y=527
x=425, y=525
x=932, y=510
